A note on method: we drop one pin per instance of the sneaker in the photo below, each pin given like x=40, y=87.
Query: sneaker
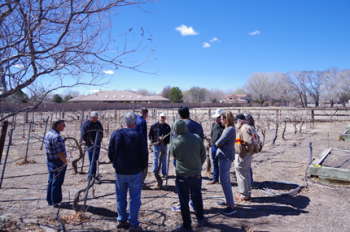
x=145, y=187
x=134, y=228
x=176, y=208
x=123, y=225
x=65, y=205
x=221, y=203
x=241, y=197
x=201, y=222
x=182, y=229
x=229, y=210
x=97, y=181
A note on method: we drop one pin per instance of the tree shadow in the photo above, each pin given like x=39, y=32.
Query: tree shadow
x=286, y=206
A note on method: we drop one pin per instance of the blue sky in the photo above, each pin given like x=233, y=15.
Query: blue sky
x=253, y=36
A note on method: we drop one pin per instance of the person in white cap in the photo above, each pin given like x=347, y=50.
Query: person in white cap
x=157, y=130
x=88, y=133
x=216, y=132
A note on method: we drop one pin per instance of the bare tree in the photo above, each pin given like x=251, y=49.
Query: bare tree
x=215, y=95
x=343, y=80
x=197, y=94
x=71, y=92
x=63, y=42
x=143, y=92
x=297, y=82
x=266, y=86
x=313, y=85
x=166, y=91
x=240, y=90
x=330, y=84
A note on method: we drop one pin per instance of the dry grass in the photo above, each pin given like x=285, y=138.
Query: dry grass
x=74, y=218
x=24, y=162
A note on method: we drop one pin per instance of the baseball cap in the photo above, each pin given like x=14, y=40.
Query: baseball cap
x=94, y=114
x=218, y=113
x=240, y=116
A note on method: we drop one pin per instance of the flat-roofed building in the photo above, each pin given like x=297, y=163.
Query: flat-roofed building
x=117, y=97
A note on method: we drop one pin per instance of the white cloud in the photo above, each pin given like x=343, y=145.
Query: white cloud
x=215, y=40
x=133, y=89
x=206, y=45
x=186, y=30
x=19, y=66
x=94, y=90
x=108, y=71
x=254, y=32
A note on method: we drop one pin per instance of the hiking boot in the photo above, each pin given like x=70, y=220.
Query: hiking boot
x=241, y=197
x=213, y=182
x=229, y=210
x=123, y=225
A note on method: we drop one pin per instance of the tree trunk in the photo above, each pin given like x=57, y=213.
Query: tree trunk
x=276, y=133
x=301, y=100
x=284, y=130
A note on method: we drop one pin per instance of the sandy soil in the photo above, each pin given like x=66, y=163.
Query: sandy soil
x=313, y=209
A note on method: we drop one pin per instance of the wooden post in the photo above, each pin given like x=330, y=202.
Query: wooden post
x=26, y=116
x=62, y=114
x=30, y=127
x=313, y=117
x=3, y=137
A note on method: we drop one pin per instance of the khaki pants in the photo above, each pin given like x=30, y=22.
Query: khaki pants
x=242, y=166
x=144, y=175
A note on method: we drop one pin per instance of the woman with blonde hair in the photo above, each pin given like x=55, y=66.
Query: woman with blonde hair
x=226, y=155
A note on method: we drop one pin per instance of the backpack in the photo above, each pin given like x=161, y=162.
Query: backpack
x=255, y=140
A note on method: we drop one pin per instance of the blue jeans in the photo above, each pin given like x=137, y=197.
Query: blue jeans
x=193, y=185
x=251, y=176
x=225, y=180
x=134, y=183
x=156, y=152
x=90, y=149
x=216, y=172
x=57, y=171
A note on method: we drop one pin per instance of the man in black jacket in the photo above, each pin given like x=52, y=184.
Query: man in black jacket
x=88, y=132
x=128, y=153
x=216, y=132
x=159, y=129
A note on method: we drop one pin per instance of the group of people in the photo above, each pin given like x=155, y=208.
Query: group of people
x=232, y=139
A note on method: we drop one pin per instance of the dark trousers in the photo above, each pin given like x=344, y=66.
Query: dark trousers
x=216, y=172
x=92, y=168
x=184, y=185
x=57, y=171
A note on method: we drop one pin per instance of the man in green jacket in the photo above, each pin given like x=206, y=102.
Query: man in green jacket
x=189, y=152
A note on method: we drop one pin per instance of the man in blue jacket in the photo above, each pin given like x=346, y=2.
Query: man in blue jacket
x=128, y=153
x=88, y=132
x=141, y=126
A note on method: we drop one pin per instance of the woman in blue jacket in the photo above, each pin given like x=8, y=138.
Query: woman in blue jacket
x=226, y=155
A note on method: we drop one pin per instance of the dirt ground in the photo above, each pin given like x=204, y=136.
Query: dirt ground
x=23, y=206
